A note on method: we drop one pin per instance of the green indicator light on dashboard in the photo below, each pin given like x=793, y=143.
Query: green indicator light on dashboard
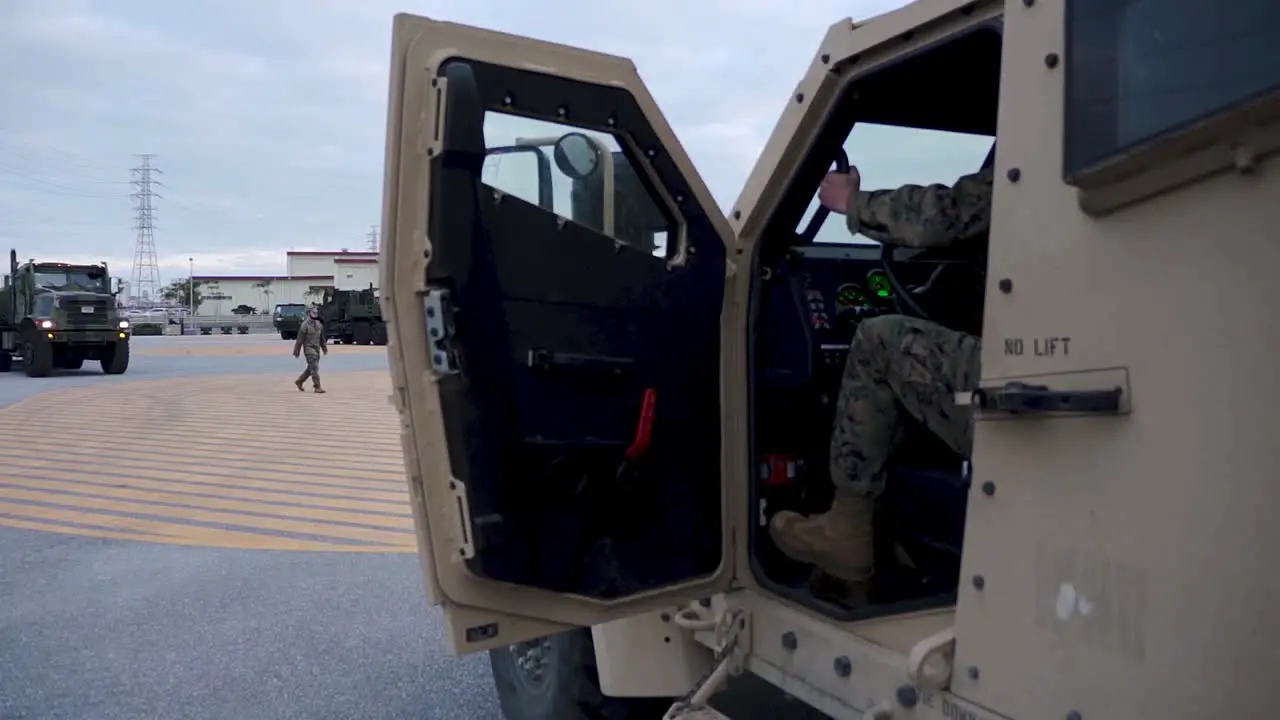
x=883, y=293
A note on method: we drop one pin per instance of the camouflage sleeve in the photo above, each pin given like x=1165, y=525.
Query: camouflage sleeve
x=923, y=216
x=297, y=340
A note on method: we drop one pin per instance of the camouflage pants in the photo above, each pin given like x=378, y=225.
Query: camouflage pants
x=899, y=363
x=312, y=356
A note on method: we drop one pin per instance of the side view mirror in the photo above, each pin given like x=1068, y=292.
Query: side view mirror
x=576, y=156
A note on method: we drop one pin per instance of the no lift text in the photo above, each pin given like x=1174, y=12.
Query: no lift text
x=1039, y=346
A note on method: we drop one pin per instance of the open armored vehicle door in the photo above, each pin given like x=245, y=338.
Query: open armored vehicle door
x=556, y=336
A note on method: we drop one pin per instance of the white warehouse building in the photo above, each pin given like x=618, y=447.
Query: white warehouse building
x=309, y=274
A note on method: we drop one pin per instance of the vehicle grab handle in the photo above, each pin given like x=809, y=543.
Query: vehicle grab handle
x=1022, y=398
x=595, y=365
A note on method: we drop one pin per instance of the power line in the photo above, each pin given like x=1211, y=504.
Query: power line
x=146, y=266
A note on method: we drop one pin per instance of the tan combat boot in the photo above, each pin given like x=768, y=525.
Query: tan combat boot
x=299, y=382
x=838, y=542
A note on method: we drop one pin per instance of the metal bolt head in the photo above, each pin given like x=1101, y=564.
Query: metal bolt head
x=843, y=666
x=1014, y=174
x=1006, y=285
x=1074, y=715
x=988, y=488
x=979, y=582
x=907, y=696
x=789, y=641
x=973, y=672
x=1051, y=60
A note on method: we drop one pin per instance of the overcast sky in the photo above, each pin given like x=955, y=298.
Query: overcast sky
x=267, y=117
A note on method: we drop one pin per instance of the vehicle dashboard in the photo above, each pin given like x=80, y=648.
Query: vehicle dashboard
x=813, y=300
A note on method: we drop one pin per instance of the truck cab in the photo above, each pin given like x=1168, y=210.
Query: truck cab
x=287, y=318
x=608, y=386
x=57, y=315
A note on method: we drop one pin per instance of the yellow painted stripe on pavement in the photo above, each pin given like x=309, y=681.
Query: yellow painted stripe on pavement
x=217, y=483
x=160, y=500
x=236, y=461
x=161, y=532
x=320, y=476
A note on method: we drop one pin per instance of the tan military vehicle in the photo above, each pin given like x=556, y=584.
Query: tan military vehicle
x=600, y=414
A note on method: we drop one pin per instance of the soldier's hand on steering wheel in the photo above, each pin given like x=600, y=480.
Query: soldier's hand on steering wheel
x=836, y=188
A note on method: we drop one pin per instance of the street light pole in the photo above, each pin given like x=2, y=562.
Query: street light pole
x=191, y=286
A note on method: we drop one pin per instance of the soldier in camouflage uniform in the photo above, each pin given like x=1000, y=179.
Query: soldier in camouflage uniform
x=895, y=364
x=310, y=342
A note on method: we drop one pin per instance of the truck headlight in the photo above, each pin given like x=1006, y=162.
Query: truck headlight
x=46, y=324
x=124, y=324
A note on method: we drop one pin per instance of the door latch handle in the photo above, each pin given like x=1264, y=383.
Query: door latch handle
x=576, y=364
x=1021, y=398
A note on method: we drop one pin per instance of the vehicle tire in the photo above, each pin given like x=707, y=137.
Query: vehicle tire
x=380, y=333
x=360, y=334
x=554, y=678
x=115, y=358
x=6, y=361
x=38, y=358
x=284, y=335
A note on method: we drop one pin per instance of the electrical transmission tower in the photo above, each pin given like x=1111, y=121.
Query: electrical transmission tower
x=373, y=238
x=145, y=283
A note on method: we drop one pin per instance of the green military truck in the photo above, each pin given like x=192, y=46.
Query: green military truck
x=288, y=318
x=57, y=315
x=353, y=317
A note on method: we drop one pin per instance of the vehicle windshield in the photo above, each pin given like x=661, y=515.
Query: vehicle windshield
x=80, y=280
x=290, y=310
x=889, y=156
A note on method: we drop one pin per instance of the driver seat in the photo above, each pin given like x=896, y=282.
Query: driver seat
x=922, y=514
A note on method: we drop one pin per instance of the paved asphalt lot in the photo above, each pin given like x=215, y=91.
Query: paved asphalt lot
x=104, y=616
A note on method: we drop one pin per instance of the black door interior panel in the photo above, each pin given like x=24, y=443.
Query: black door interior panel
x=559, y=333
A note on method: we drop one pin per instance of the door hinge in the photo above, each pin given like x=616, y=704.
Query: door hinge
x=437, y=312
x=729, y=631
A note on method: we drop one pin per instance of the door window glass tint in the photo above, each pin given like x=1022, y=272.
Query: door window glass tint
x=889, y=156
x=1142, y=69
x=572, y=172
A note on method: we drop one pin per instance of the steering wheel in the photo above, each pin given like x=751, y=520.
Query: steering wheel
x=820, y=215
x=902, y=297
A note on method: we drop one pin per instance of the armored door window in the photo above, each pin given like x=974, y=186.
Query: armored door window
x=1139, y=71
x=579, y=175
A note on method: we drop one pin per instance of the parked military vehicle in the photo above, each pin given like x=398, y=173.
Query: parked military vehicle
x=353, y=317
x=598, y=436
x=57, y=315
x=287, y=318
